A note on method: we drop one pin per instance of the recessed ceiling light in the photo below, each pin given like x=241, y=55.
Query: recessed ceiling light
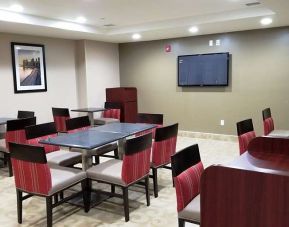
x=81, y=20
x=16, y=8
x=136, y=36
x=266, y=21
x=193, y=29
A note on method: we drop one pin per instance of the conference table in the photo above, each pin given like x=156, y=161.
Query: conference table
x=279, y=133
x=252, y=190
x=95, y=137
x=89, y=111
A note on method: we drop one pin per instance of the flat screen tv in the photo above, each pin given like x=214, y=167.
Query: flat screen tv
x=204, y=69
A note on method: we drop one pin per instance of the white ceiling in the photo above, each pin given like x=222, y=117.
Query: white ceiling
x=153, y=19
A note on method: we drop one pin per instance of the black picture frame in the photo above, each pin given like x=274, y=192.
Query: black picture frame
x=29, y=69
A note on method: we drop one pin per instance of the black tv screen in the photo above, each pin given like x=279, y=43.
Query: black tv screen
x=203, y=69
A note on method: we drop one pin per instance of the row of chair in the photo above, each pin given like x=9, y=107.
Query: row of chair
x=110, y=115
x=187, y=169
x=245, y=129
x=163, y=147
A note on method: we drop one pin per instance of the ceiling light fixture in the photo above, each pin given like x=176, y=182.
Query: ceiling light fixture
x=16, y=8
x=266, y=21
x=136, y=36
x=81, y=20
x=193, y=29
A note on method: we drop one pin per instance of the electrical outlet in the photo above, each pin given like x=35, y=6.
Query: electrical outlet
x=222, y=122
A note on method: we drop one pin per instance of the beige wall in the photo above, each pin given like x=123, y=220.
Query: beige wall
x=102, y=70
x=60, y=73
x=259, y=79
x=77, y=74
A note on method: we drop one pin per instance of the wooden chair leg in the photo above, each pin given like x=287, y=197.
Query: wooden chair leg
x=55, y=198
x=96, y=160
x=19, y=205
x=49, y=211
x=147, y=190
x=112, y=188
x=181, y=222
x=116, y=153
x=89, y=186
x=125, y=203
x=6, y=156
x=86, y=194
x=61, y=195
x=10, y=166
x=155, y=181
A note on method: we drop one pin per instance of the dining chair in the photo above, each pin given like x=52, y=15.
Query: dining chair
x=60, y=115
x=110, y=115
x=149, y=118
x=25, y=114
x=164, y=146
x=268, y=122
x=14, y=133
x=78, y=124
x=134, y=168
x=55, y=155
x=246, y=133
x=187, y=169
x=34, y=177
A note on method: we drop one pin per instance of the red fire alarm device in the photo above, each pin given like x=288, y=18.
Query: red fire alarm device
x=168, y=48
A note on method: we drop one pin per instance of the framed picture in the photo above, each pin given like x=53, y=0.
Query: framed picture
x=29, y=72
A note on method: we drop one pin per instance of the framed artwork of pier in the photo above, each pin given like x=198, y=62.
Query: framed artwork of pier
x=29, y=71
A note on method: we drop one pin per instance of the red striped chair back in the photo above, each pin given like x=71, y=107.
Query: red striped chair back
x=39, y=132
x=25, y=114
x=60, y=115
x=111, y=113
x=149, y=118
x=15, y=131
x=136, y=159
x=113, y=110
x=268, y=122
x=187, y=169
x=164, y=145
x=77, y=124
x=246, y=133
x=30, y=168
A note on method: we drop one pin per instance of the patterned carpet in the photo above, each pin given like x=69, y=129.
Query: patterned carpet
x=161, y=212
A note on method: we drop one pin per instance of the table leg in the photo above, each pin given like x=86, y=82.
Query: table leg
x=90, y=116
x=121, y=145
x=86, y=160
x=96, y=197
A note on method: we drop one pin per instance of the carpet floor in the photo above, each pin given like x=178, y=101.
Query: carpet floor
x=161, y=212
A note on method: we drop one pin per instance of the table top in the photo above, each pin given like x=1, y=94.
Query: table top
x=87, y=139
x=127, y=128
x=97, y=136
x=262, y=162
x=279, y=133
x=89, y=110
x=3, y=120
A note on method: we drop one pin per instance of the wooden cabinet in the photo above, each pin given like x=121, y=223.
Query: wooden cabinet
x=127, y=97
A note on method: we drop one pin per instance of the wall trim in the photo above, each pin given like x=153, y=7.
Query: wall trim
x=205, y=135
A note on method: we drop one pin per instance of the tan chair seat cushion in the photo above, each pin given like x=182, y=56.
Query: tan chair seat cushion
x=109, y=171
x=63, y=158
x=103, y=121
x=192, y=211
x=3, y=146
x=63, y=177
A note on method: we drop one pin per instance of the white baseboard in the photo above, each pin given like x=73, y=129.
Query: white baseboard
x=204, y=135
